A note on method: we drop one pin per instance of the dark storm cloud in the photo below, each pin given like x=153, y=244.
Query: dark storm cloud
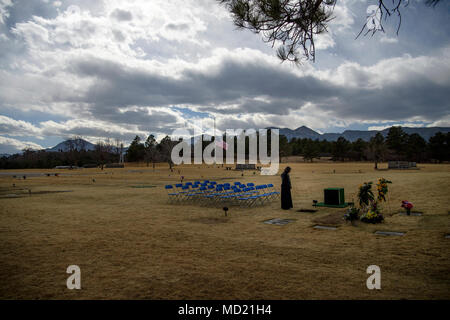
x=86, y=131
x=420, y=98
x=241, y=84
x=158, y=120
x=234, y=82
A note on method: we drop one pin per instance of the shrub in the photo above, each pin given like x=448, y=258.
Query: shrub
x=365, y=194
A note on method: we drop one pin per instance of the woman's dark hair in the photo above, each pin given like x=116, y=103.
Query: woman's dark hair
x=287, y=170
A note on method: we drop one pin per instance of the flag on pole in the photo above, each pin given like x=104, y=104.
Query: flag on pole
x=222, y=144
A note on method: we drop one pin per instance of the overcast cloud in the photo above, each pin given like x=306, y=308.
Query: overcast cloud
x=116, y=69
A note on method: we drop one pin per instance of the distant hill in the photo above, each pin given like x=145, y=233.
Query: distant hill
x=353, y=135
x=300, y=133
x=72, y=144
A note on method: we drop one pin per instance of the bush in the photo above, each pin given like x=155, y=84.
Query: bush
x=365, y=194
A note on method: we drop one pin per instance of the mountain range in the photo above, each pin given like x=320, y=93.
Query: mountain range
x=353, y=135
x=72, y=144
x=299, y=133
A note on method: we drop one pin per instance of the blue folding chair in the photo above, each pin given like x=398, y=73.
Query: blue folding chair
x=172, y=196
x=275, y=193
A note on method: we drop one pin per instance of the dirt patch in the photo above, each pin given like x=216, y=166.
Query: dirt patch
x=45, y=191
x=333, y=219
x=208, y=220
x=10, y=196
x=18, y=193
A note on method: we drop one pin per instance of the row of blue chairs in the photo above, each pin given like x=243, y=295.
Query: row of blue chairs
x=211, y=193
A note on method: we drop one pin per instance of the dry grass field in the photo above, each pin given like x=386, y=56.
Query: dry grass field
x=131, y=244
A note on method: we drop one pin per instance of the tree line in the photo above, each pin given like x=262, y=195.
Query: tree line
x=397, y=145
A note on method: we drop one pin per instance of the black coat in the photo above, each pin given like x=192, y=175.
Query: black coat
x=286, y=199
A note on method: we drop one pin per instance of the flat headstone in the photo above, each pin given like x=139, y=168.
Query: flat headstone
x=389, y=233
x=143, y=186
x=415, y=214
x=11, y=195
x=278, y=222
x=324, y=227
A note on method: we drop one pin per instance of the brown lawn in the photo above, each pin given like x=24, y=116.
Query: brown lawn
x=131, y=244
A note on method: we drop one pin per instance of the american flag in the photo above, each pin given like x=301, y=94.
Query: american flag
x=222, y=144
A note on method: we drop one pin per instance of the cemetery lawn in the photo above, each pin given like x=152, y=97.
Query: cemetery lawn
x=131, y=244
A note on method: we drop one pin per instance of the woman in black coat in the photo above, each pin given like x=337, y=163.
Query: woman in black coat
x=286, y=199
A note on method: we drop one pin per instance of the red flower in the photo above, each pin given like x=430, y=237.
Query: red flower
x=406, y=204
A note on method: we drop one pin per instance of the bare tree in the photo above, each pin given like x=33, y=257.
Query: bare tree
x=118, y=148
x=102, y=149
x=377, y=149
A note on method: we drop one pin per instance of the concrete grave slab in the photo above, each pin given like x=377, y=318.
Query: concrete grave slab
x=389, y=233
x=278, y=222
x=415, y=214
x=324, y=227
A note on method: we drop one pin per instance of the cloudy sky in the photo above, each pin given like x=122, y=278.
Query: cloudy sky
x=117, y=68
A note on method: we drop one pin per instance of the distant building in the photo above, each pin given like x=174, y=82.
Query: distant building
x=401, y=165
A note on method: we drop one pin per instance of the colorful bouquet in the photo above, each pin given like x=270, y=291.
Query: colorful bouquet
x=408, y=206
x=382, y=189
x=373, y=214
x=352, y=214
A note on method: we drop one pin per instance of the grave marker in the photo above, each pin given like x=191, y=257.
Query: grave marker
x=389, y=233
x=324, y=227
x=278, y=222
x=416, y=214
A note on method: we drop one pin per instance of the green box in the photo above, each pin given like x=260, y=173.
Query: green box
x=334, y=196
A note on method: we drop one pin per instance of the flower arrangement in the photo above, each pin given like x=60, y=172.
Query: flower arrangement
x=369, y=204
x=382, y=189
x=373, y=214
x=408, y=206
x=365, y=194
x=352, y=214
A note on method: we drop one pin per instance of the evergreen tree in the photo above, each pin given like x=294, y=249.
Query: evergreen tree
x=439, y=146
x=136, y=150
x=396, y=140
x=341, y=148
